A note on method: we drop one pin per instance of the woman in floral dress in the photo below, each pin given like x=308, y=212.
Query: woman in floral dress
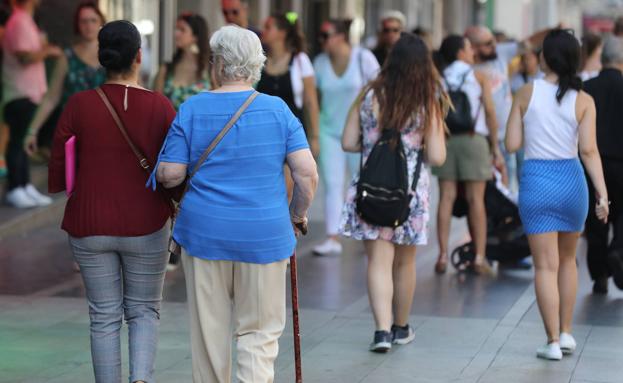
x=406, y=97
x=187, y=74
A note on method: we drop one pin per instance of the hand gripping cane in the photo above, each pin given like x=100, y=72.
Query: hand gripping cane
x=295, y=311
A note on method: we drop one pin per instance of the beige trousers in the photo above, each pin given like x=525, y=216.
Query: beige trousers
x=245, y=301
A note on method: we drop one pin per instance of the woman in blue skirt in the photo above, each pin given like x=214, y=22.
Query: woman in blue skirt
x=552, y=117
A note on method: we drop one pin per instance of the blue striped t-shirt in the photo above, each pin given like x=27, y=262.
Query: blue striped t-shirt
x=236, y=208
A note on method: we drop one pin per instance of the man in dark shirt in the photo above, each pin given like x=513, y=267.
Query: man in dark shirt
x=605, y=259
x=237, y=12
x=392, y=25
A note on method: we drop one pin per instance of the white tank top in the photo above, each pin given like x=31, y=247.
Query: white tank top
x=550, y=128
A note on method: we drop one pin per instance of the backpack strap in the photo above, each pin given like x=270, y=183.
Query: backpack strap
x=418, y=169
x=463, y=79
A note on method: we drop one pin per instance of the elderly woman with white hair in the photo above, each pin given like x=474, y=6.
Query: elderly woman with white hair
x=234, y=225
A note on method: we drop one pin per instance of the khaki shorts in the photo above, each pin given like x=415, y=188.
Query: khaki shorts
x=468, y=158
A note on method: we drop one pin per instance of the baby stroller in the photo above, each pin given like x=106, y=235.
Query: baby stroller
x=506, y=240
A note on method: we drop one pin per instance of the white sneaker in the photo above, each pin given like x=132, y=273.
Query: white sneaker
x=567, y=343
x=550, y=351
x=330, y=246
x=40, y=199
x=20, y=199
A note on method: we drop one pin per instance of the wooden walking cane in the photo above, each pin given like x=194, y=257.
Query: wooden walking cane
x=295, y=311
x=295, y=320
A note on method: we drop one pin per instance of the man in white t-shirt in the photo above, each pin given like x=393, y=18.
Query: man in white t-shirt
x=493, y=59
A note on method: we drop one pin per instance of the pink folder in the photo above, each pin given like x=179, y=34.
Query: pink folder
x=70, y=165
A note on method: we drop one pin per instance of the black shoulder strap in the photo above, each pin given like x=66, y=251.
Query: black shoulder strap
x=418, y=169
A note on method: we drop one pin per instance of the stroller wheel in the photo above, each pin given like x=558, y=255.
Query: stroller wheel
x=463, y=256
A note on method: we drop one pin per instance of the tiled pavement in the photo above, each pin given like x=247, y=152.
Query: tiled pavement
x=45, y=339
x=468, y=329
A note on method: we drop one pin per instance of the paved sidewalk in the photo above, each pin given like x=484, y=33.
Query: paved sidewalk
x=468, y=329
x=45, y=339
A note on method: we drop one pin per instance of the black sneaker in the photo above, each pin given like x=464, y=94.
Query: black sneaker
x=402, y=335
x=600, y=286
x=382, y=341
x=615, y=262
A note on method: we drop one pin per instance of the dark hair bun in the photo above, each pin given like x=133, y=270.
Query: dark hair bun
x=110, y=58
x=119, y=42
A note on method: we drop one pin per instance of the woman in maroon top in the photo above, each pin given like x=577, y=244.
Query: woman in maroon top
x=116, y=226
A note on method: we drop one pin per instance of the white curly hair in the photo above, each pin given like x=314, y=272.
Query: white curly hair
x=237, y=54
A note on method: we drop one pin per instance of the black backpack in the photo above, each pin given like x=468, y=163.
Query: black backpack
x=383, y=196
x=459, y=119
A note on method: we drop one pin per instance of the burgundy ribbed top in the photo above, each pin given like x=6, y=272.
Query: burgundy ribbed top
x=110, y=197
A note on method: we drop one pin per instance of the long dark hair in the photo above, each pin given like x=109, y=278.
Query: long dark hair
x=295, y=39
x=408, y=85
x=561, y=51
x=448, y=51
x=199, y=28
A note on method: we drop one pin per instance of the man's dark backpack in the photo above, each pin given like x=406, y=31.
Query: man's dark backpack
x=459, y=119
x=383, y=195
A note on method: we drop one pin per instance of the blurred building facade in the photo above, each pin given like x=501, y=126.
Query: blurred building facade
x=516, y=18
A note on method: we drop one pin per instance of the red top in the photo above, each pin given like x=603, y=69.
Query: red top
x=110, y=197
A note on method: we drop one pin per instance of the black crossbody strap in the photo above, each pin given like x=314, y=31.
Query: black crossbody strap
x=418, y=169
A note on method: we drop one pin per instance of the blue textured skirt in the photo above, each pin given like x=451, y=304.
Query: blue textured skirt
x=553, y=196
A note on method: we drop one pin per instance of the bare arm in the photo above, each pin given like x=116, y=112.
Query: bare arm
x=351, y=137
x=491, y=120
x=27, y=58
x=489, y=108
x=305, y=177
x=586, y=114
x=50, y=101
x=171, y=174
x=160, y=78
x=537, y=38
x=514, y=128
x=310, y=100
x=435, y=140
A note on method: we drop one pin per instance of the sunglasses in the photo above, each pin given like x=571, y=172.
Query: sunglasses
x=391, y=30
x=487, y=43
x=233, y=12
x=324, y=36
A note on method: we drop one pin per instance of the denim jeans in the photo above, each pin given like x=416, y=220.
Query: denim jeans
x=123, y=277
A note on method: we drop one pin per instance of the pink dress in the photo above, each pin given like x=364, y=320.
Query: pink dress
x=414, y=230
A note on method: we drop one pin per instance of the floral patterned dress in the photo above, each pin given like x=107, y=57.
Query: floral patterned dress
x=80, y=76
x=179, y=94
x=414, y=230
